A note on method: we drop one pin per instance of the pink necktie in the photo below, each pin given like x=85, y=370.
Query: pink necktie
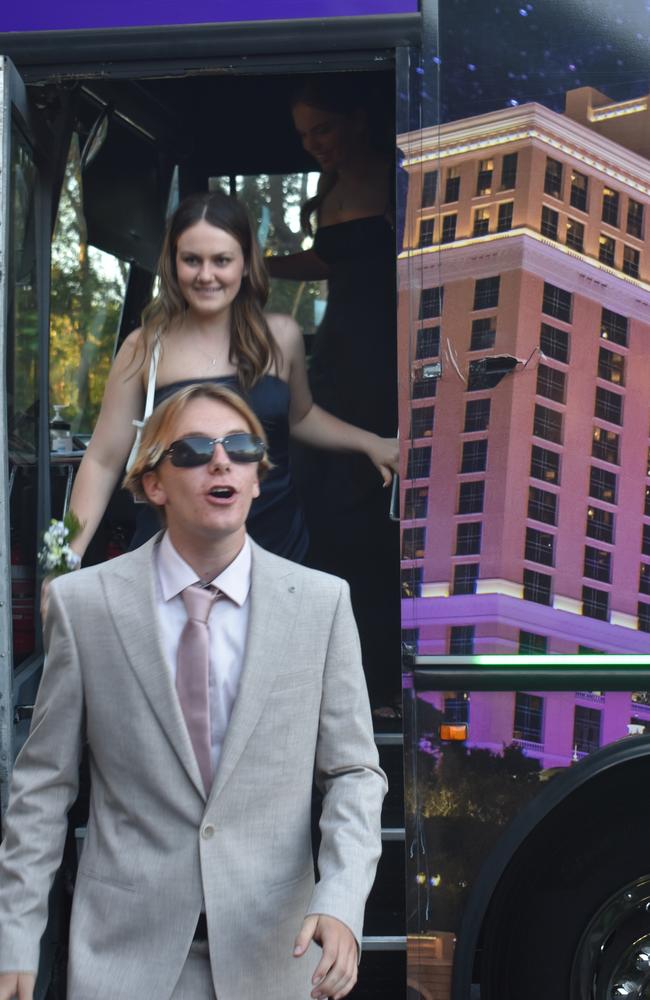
x=193, y=671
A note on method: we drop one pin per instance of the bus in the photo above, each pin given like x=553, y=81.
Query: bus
x=514, y=861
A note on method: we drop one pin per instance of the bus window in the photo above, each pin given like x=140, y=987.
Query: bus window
x=87, y=292
x=23, y=393
x=274, y=202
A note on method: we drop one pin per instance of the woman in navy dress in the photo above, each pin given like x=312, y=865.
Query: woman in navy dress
x=208, y=319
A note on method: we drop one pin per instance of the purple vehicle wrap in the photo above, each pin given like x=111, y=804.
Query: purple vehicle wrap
x=69, y=15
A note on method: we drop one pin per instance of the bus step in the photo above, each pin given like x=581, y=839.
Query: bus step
x=389, y=739
x=386, y=909
x=392, y=761
x=387, y=942
x=393, y=833
x=382, y=974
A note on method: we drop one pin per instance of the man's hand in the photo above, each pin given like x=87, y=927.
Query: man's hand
x=336, y=973
x=18, y=985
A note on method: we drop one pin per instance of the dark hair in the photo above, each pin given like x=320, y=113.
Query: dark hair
x=252, y=347
x=339, y=95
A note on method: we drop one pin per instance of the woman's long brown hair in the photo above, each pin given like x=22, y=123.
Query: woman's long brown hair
x=252, y=348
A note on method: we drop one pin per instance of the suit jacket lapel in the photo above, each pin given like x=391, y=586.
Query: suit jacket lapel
x=130, y=590
x=274, y=606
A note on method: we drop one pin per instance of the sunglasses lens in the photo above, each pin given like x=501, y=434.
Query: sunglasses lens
x=244, y=447
x=191, y=451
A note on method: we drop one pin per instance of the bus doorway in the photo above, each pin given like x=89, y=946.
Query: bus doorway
x=130, y=146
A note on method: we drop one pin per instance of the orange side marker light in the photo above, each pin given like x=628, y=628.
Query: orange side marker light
x=453, y=731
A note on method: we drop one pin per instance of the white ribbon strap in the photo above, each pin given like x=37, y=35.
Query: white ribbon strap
x=148, y=406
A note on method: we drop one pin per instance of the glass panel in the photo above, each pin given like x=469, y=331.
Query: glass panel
x=521, y=551
x=274, y=201
x=87, y=294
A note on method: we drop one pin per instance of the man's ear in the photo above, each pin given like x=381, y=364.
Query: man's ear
x=153, y=488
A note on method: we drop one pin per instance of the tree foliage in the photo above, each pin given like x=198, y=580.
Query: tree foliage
x=465, y=798
x=274, y=203
x=86, y=298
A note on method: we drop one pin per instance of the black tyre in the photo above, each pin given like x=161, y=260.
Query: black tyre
x=571, y=912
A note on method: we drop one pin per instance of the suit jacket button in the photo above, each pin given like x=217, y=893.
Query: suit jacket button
x=208, y=831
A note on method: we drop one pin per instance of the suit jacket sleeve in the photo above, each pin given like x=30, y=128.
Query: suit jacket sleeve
x=349, y=776
x=44, y=786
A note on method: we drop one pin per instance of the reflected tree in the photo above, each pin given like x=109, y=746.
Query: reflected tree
x=274, y=201
x=465, y=799
x=86, y=298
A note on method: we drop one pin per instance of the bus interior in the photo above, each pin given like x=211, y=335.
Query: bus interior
x=121, y=153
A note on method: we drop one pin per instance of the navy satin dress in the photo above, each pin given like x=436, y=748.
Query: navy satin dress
x=276, y=520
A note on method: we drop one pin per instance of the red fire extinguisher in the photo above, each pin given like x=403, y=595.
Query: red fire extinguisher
x=23, y=590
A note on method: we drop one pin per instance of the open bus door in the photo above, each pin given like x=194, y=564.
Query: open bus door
x=155, y=149
x=25, y=214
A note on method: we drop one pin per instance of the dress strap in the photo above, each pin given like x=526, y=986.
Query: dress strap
x=149, y=401
x=151, y=384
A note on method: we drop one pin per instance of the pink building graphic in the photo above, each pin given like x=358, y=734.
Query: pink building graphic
x=557, y=728
x=525, y=288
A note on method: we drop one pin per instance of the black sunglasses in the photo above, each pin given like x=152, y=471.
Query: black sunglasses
x=188, y=452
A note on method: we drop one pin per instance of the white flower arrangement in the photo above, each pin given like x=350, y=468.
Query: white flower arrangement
x=56, y=556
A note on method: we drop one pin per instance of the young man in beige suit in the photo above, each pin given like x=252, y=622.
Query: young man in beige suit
x=196, y=879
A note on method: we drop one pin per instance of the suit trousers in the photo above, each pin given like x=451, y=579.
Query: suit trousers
x=195, y=982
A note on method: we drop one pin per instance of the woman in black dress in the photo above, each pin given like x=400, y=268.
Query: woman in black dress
x=353, y=366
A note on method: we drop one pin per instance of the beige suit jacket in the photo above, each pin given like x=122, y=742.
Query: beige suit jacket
x=155, y=848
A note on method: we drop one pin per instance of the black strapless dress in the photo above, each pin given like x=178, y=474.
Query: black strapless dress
x=353, y=371
x=276, y=519
x=353, y=367
x=353, y=374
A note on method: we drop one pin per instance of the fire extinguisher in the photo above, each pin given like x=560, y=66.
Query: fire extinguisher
x=23, y=590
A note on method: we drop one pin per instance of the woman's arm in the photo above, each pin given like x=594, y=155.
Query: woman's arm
x=314, y=426
x=304, y=266
x=112, y=439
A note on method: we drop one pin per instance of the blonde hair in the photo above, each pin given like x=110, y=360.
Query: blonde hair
x=157, y=432
x=252, y=347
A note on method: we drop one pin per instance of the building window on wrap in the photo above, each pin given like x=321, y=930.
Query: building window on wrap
x=553, y=178
x=579, y=190
x=537, y=586
x=634, y=224
x=586, y=728
x=530, y=642
x=465, y=577
x=595, y=603
x=429, y=189
x=529, y=718
x=413, y=543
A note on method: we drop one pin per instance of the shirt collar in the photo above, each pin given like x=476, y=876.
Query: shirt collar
x=175, y=574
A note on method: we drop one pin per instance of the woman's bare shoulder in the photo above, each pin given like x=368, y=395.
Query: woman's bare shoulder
x=284, y=328
x=133, y=351
x=134, y=341
x=288, y=338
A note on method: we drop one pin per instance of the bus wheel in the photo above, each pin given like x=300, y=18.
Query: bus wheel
x=613, y=956
x=570, y=916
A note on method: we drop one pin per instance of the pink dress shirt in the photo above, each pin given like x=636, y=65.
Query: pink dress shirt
x=228, y=623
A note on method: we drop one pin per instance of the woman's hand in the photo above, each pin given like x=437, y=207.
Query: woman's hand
x=384, y=455
x=315, y=426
